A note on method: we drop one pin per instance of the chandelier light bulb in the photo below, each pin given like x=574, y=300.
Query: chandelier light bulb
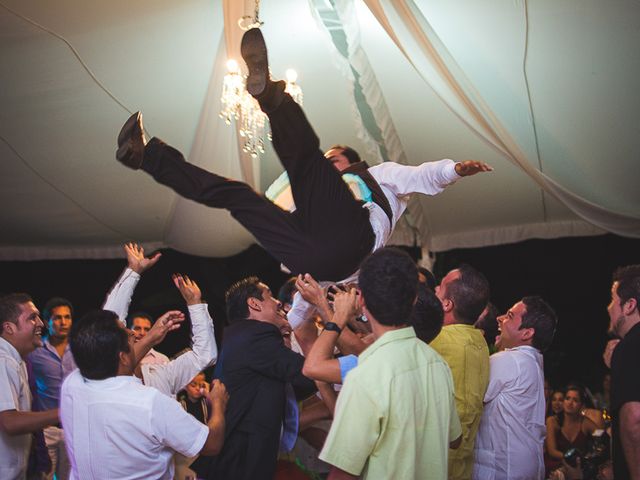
x=232, y=66
x=291, y=75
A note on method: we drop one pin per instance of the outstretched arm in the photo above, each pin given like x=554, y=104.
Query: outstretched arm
x=119, y=298
x=172, y=377
x=15, y=422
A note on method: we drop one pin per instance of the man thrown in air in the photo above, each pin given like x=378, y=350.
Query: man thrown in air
x=330, y=231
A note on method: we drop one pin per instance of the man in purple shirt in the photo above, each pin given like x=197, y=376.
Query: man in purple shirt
x=51, y=363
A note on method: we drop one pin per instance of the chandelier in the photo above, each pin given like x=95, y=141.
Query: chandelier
x=239, y=105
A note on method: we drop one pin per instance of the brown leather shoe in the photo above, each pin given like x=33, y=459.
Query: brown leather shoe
x=131, y=142
x=254, y=52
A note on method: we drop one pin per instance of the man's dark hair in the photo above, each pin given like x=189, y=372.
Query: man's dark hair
x=52, y=303
x=133, y=315
x=628, y=279
x=427, y=314
x=488, y=323
x=541, y=317
x=47, y=311
x=348, y=152
x=429, y=279
x=287, y=291
x=96, y=342
x=469, y=293
x=388, y=281
x=10, y=307
x=237, y=296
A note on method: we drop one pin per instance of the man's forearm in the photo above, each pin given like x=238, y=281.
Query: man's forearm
x=215, y=439
x=13, y=422
x=119, y=298
x=142, y=347
x=319, y=363
x=630, y=436
x=204, y=339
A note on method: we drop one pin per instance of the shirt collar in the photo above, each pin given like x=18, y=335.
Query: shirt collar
x=388, y=337
x=47, y=344
x=10, y=349
x=113, y=382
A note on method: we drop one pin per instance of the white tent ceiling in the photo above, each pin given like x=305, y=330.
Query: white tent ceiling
x=560, y=76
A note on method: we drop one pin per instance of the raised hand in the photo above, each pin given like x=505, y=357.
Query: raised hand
x=188, y=289
x=310, y=290
x=136, y=260
x=166, y=323
x=471, y=167
x=345, y=306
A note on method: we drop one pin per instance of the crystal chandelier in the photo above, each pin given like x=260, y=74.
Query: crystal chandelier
x=239, y=105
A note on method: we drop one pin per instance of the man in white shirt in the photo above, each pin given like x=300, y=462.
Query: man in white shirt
x=509, y=445
x=171, y=377
x=20, y=334
x=115, y=426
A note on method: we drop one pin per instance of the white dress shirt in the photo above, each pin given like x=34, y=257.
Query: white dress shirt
x=119, y=428
x=169, y=378
x=397, y=182
x=14, y=395
x=510, y=439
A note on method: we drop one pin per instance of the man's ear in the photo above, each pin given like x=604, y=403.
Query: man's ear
x=447, y=305
x=629, y=306
x=254, y=304
x=9, y=327
x=125, y=359
x=527, y=333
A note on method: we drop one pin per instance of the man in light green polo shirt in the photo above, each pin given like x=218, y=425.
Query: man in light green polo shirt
x=396, y=416
x=464, y=293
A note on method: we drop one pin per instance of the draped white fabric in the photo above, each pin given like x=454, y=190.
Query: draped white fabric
x=546, y=92
x=410, y=30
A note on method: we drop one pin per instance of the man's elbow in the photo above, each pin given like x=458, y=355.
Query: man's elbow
x=205, y=357
x=310, y=370
x=211, y=451
x=213, y=445
x=456, y=443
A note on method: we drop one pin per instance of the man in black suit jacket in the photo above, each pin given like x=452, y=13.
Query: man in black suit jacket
x=255, y=366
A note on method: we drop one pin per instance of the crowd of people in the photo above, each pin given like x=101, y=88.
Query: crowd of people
x=391, y=378
x=381, y=375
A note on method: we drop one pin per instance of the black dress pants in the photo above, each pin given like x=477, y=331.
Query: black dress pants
x=327, y=236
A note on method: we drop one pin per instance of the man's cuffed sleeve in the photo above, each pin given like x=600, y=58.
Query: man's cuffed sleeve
x=119, y=298
x=354, y=431
x=300, y=311
x=178, y=429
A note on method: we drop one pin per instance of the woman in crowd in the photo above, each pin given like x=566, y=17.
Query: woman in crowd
x=556, y=403
x=568, y=429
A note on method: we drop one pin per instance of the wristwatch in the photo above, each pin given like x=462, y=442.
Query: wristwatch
x=332, y=327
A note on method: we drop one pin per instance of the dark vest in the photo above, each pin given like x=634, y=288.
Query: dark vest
x=362, y=170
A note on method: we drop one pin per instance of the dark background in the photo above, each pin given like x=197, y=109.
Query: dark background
x=572, y=274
